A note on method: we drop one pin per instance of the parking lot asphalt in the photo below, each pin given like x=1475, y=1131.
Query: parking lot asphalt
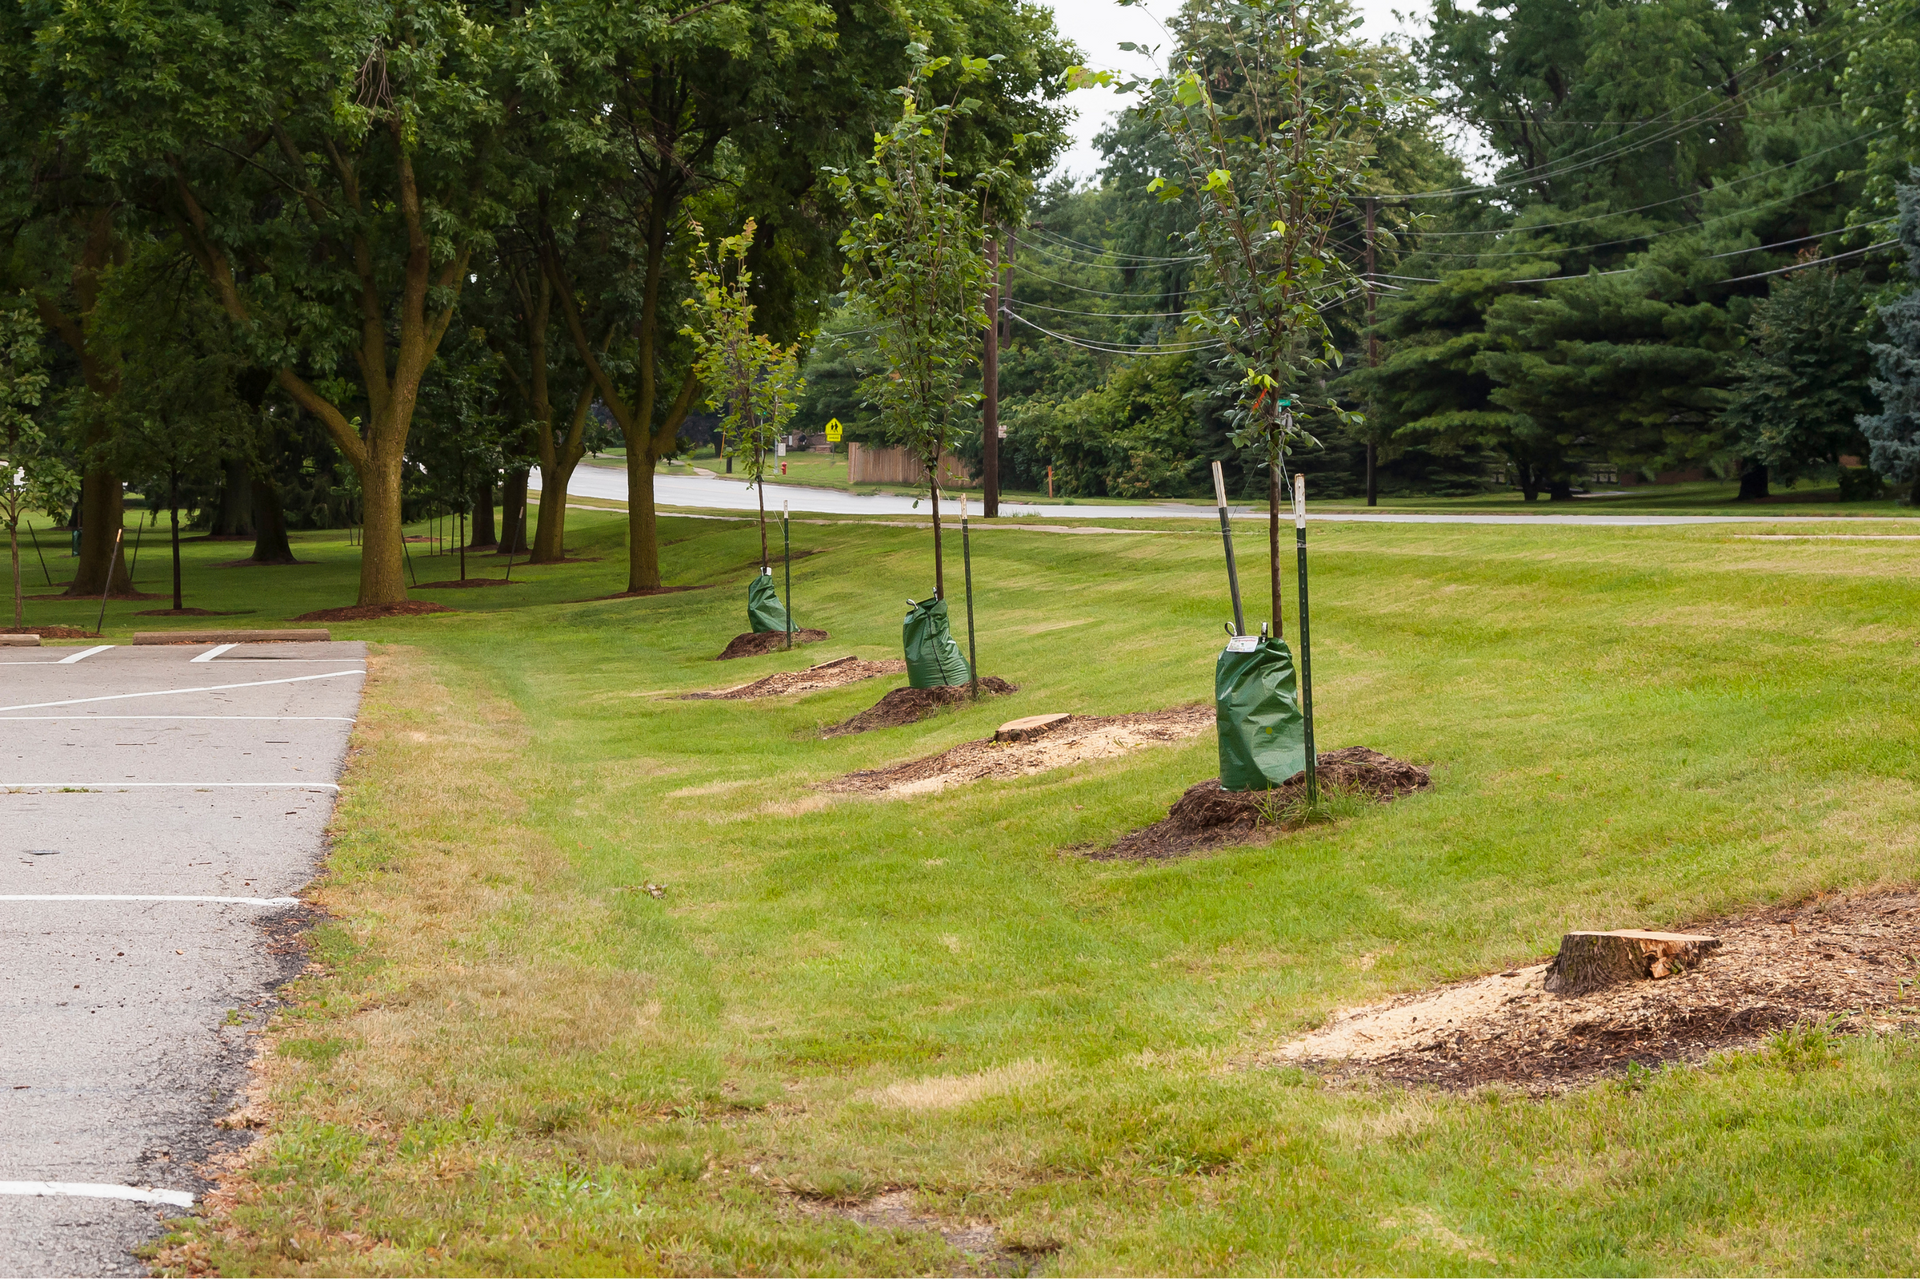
x=161, y=808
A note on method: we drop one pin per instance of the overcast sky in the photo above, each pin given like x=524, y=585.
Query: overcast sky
x=1100, y=26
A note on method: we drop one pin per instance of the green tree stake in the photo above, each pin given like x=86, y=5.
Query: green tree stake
x=786, y=556
x=966, y=559
x=1306, y=642
x=113, y=562
x=1226, y=538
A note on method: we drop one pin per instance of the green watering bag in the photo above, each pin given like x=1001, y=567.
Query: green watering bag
x=1256, y=699
x=765, y=612
x=933, y=659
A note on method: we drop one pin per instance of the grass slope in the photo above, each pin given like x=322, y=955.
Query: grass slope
x=514, y=1059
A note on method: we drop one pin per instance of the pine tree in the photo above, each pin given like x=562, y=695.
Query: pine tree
x=1893, y=434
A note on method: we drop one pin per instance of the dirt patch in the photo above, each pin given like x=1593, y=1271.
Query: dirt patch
x=911, y=705
x=1079, y=738
x=1852, y=960
x=371, y=612
x=894, y=1210
x=844, y=670
x=1208, y=817
x=463, y=582
x=760, y=643
x=647, y=594
x=190, y=612
x=51, y=632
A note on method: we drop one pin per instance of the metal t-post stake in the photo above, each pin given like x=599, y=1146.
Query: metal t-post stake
x=786, y=556
x=44, y=570
x=966, y=558
x=1226, y=538
x=1306, y=643
x=113, y=562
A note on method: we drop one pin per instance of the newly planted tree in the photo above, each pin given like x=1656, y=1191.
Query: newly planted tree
x=753, y=380
x=916, y=260
x=1271, y=117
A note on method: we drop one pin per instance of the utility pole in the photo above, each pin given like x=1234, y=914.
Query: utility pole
x=1373, y=360
x=990, y=387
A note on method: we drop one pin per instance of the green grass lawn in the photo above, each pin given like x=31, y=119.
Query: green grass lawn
x=516, y=1060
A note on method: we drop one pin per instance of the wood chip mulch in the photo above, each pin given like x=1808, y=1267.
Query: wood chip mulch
x=834, y=674
x=1078, y=738
x=1207, y=817
x=1851, y=964
x=760, y=643
x=371, y=612
x=911, y=705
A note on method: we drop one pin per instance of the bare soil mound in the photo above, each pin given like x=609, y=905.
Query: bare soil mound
x=1208, y=817
x=51, y=632
x=760, y=643
x=1080, y=737
x=370, y=612
x=1850, y=963
x=911, y=705
x=457, y=583
x=842, y=670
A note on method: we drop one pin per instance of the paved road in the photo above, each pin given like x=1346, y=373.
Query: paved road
x=158, y=814
x=732, y=495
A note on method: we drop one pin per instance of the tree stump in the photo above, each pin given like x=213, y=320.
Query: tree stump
x=1593, y=961
x=1032, y=726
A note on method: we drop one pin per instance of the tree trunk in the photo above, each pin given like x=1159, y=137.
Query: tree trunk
x=383, y=571
x=233, y=515
x=173, y=513
x=1753, y=481
x=13, y=538
x=513, y=513
x=270, y=544
x=760, y=491
x=1594, y=961
x=643, y=540
x=939, y=567
x=483, y=534
x=102, y=510
x=1373, y=474
x=1273, y=540
x=1560, y=490
x=1529, y=481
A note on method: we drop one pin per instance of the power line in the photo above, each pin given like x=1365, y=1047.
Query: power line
x=1110, y=348
x=1133, y=257
x=1628, y=270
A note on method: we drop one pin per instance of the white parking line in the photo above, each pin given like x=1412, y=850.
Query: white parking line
x=172, y=692
x=145, y=897
x=213, y=652
x=83, y=653
x=95, y=1190
x=131, y=785
x=89, y=719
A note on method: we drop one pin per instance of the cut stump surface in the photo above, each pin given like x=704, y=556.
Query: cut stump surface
x=1029, y=727
x=1594, y=961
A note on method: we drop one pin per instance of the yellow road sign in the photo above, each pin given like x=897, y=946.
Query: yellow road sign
x=833, y=430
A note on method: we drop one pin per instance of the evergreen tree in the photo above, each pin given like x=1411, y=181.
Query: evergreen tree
x=1893, y=434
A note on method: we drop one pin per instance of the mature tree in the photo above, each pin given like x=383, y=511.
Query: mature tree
x=331, y=167
x=32, y=474
x=1893, y=434
x=1802, y=380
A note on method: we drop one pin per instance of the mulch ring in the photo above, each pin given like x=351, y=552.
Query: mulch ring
x=760, y=643
x=369, y=612
x=190, y=612
x=1846, y=964
x=842, y=670
x=251, y=563
x=911, y=705
x=466, y=581
x=50, y=632
x=1078, y=738
x=1208, y=817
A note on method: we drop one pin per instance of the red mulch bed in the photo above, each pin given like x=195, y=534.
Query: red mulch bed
x=125, y=595
x=460, y=582
x=263, y=563
x=51, y=632
x=760, y=643
x=188, y=612
x=372, y=612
